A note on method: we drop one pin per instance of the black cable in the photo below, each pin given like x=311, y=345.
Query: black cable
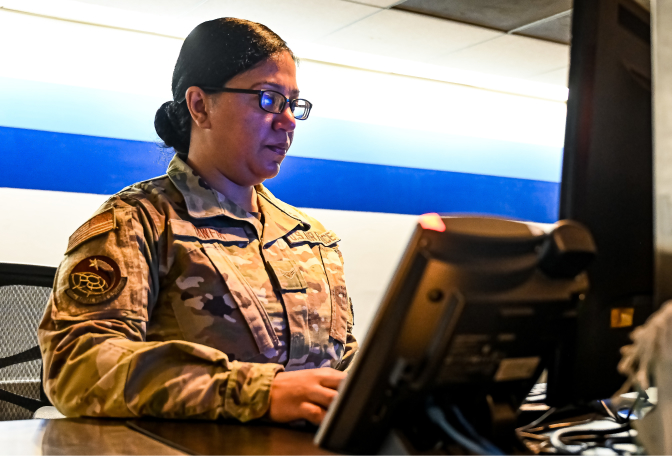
x=634, y=404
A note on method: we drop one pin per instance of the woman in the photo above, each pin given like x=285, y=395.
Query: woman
x=198, y=293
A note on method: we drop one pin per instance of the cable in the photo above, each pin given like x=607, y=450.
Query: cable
x=611, y=414
x=634, y=404
x=485, y=443
x=557, y=443
x=436, y=415
x=536, y=422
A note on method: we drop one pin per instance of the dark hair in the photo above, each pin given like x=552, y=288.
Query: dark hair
x=214, y=52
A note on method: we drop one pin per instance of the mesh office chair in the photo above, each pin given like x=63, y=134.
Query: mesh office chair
x=24, y=291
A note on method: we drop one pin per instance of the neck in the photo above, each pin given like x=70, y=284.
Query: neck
x=244, y=196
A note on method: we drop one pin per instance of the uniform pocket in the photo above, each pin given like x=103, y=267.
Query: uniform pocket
x=333, y=267
x=245, y=297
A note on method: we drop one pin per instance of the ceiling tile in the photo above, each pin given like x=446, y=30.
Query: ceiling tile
x=160, y=7
x=405, y=35
x=94, y=13
x=557, y=77
x=291, y=19
x=509, y=55
x=378, y=3
x=558, y=29
x=501, y=15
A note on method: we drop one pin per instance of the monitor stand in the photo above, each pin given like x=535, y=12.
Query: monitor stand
x=495, y=419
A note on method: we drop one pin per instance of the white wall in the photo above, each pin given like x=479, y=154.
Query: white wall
x=76, y=78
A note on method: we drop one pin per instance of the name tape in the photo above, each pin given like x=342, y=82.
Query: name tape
x=326, y=238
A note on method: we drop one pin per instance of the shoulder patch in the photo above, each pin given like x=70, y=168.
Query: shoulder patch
x=99, y=224
x=326, y=238
x=94, y=280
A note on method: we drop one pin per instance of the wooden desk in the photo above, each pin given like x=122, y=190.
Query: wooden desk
x=75, y=436
x=98, y=436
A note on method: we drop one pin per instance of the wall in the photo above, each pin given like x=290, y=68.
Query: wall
x=77, y=104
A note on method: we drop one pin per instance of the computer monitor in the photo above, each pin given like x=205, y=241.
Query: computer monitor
x=477, y=308
x=607, y=184
x=607, y=187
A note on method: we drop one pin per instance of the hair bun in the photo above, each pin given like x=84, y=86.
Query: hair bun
x=173, y=126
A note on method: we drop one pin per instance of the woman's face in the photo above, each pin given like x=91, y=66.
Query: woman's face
x=249, y=143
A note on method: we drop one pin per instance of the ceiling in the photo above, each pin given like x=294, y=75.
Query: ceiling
x=523, y=40
x=544, y=19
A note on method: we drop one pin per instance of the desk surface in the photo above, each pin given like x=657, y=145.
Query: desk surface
x=93, y=436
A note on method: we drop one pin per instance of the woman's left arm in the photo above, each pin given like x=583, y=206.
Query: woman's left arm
x=351, y=344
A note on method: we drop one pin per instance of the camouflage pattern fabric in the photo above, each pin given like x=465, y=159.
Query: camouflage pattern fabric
x=173, y=301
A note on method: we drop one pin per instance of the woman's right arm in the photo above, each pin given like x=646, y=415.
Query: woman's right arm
x=105, y=368
x=97, y=361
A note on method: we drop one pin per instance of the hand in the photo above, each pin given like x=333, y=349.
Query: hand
x=651, y=347
x=304, y=394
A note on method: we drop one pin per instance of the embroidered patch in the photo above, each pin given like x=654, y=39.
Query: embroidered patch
x=99, y=224
x=327, y=238
x=94, y=280
x=205, y=233
x=288, y=275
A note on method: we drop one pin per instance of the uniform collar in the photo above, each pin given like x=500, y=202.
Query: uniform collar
x=203, y=201
x=279, y=218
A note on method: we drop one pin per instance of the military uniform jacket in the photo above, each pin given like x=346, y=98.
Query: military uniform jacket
x=173, y=301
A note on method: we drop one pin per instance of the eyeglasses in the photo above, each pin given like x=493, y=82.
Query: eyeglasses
x=272, y=101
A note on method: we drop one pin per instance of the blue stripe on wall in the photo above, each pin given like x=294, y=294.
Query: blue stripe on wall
x=88, y=164
x=327, y=184
x=102, y=113
x=64, y=162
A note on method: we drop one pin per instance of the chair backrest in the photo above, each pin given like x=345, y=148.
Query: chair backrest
x=24, y=291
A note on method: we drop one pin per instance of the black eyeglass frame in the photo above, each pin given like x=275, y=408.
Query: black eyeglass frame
x=260, y=93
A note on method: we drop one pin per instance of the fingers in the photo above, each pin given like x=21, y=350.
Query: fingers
x=331, y=378
x=313, y=413
x=305, y=393
x=322, y=396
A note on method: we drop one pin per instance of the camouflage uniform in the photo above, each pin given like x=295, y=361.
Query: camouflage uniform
x=173, y=301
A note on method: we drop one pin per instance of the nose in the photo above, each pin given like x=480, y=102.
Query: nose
x=285, y=120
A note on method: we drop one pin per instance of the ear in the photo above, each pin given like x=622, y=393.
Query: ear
x=199, y=104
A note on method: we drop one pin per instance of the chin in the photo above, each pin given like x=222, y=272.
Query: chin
x=270, y=172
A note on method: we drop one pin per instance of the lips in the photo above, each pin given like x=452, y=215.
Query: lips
x=280, y=149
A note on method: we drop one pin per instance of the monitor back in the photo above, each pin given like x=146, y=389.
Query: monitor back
x=607, y=184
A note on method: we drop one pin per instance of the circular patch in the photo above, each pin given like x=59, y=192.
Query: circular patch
x=95, y=279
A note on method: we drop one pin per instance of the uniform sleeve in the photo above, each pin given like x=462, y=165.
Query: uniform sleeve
x=351, y=345
x=97, y=361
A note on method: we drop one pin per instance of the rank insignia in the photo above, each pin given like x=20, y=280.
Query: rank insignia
x=94, y=280
x=288, y=275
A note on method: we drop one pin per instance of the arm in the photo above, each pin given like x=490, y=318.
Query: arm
x=104, y=368
x=97, y=361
